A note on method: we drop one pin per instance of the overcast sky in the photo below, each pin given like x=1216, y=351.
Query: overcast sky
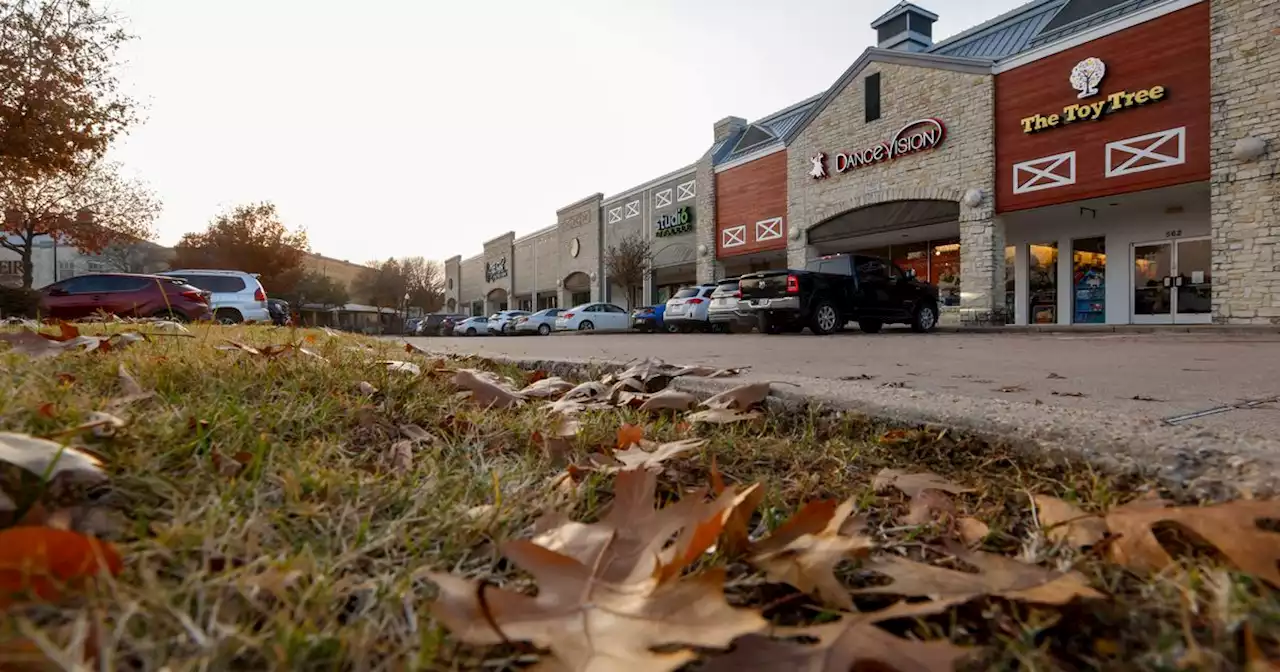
x=401, y=127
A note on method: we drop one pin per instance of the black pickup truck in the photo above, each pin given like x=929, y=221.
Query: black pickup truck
x=835, y=290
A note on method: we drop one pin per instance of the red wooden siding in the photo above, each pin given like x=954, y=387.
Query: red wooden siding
x=751, y=193
x=1170, y=52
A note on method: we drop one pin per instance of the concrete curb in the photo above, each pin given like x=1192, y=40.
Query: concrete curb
x=1196, y=462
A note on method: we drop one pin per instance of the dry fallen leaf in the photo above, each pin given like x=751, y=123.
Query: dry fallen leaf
x=929, y=505
x=669, y=400
x=743, y=397
x=1255, y=659
x=416, y=434
x=32, y=345
x=589, y=624
x=1065, y=522
x=588, y=391
x=128, y=384
x=624, y=545
x=366, y=388
x=547, y=388
x=805, y=550
x=735, y=539
x=102, y=424
x=645, y=455
x=41, y=456
x=850, y=643
x=972, y=530
x=997, y=575
x=397, y=366
x=913, y=484
x=400, y=456
x=43, y=561
x=1232, y=527
x=409, y=347
x=723, y=416
x=629, y=435
x=486, y=390
x=238, y=346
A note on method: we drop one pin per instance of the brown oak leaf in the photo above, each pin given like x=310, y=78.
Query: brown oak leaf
x=669, y=400
x=913, y=484
x=805, y=550
x=645, y=455
x=997, y=575
x=486, y=389
x=1232, y=527
x=1065, y=522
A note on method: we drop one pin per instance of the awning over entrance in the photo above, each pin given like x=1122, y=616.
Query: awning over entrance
x=883, y=217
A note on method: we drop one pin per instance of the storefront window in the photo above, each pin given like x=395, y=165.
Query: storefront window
x=1089, y=280
x=1010, y=283
x=944, y=270
x=545, y=302
x=912, y=257
x=1042, y=283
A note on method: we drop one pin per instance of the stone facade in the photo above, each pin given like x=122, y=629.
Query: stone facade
x=453, y=283
x=579, y=222
x=499, y=273
x=964, y=163
x=471, y=282
x=709, y=269
x=1245, y=189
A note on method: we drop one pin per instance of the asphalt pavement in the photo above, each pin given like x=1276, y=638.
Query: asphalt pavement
x=1174, y=393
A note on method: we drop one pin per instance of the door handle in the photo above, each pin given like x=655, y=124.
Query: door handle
x=1168, y=281
x=1177, y=282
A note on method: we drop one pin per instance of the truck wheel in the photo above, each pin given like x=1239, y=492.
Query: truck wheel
x=870, y=326
x=925, y=318
x=769, y=325
x=826, y=318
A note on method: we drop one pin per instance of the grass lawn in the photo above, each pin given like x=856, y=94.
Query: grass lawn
x=287, y=510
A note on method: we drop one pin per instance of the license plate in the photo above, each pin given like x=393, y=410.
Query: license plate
x=675, y=309
x=759, y=302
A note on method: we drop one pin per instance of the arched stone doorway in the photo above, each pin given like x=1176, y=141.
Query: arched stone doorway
x=495, y=301
x=921, y=236
x=577, y=288
x=451, y=306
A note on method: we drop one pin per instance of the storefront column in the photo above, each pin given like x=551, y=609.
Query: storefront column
x=981, y=267
x=799, y=252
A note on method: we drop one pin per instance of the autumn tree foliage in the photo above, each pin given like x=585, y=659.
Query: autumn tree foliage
x=316, y=288
x=626, y=264
x=60, y=101
x=385, y=283
x=89, y=207
x=248, y=238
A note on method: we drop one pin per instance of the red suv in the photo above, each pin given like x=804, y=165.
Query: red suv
x=124, y=294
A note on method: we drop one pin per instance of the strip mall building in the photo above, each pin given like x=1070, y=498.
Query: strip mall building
x=1069, y=162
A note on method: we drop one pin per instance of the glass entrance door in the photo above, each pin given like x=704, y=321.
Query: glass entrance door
x=1172, y=281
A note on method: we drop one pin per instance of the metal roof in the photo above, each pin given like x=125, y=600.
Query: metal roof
x=1005, y=35
x=779, y=124
x=1091, y=20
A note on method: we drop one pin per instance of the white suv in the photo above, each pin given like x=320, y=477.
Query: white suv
x=237, y=296
x=687, y=309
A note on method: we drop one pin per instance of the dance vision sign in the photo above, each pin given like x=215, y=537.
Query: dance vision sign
x=920, y=135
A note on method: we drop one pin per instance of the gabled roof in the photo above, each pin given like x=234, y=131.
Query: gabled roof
x=776, y=125
x=1005, y=35
x=901, y=8
x=875, y=55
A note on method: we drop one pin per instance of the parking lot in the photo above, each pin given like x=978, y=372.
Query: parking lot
x=1158, y=376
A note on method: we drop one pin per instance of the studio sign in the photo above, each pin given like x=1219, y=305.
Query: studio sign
x=1085, y=78
x=680, y=221
x=495, y=270
x=917, y=136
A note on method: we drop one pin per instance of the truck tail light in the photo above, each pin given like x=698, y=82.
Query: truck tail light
x=793, y=284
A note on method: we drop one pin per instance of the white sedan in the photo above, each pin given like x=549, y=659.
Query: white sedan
x=542, y=322
x=472, y=326
x=594, y=317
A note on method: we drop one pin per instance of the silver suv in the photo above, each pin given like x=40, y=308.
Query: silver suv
x=237, y=296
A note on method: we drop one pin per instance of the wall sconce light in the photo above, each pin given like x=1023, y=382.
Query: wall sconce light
x=1248, y=149
x=702, y=250
x=794, y=233
x=973, y=198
